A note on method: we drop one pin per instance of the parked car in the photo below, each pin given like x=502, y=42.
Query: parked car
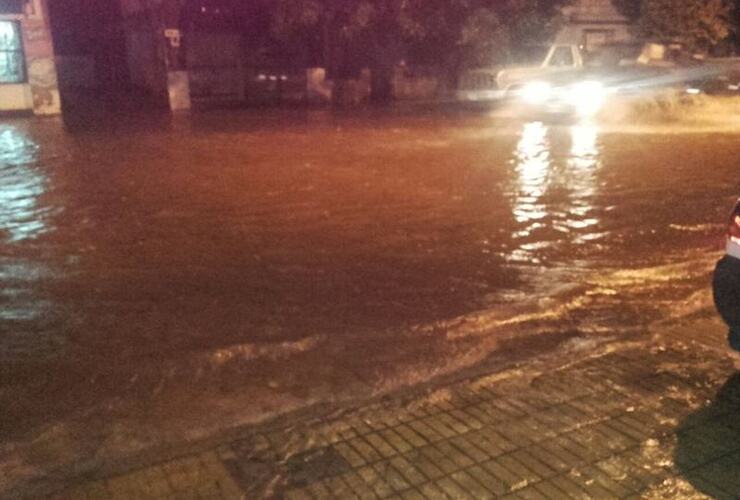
x=726, y=282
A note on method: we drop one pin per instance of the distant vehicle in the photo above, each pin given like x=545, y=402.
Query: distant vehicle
x=563, y=79
x=726, y=283
x=533, y=63
x=719, y=82
x=273, y=86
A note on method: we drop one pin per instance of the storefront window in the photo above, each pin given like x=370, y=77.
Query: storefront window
x=12, y=68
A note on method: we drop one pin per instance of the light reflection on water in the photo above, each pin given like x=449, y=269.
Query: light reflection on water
x=21, y=185
x=541, y=169
x=533, y=167
x=27, y=314
x=583, y=164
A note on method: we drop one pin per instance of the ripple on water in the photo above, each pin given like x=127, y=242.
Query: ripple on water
x=22, y=216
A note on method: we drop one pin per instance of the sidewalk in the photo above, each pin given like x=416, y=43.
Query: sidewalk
x=648, y=417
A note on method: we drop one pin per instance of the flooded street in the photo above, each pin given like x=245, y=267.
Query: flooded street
x=165, y=282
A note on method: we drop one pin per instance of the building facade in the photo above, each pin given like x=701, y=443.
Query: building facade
x=593, y=23
x=28, y=76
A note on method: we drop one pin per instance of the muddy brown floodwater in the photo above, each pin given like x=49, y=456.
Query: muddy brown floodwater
x=163, y=280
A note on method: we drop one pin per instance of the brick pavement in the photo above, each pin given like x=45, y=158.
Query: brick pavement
x=654, y=417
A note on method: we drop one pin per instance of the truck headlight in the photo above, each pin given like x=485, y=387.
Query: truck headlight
x=536, y=92
x=587, y=97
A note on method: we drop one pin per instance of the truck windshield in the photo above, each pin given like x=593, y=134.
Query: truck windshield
x=562, y=56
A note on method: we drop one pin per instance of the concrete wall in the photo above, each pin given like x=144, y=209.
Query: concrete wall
x=16, y=97
x=40, y=93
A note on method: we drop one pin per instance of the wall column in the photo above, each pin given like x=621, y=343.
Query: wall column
x=39, y=54
x=171, y=36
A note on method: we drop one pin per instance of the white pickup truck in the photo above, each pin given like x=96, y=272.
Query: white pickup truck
x=534, y=63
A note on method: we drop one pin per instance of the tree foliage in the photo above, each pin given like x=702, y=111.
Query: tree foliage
x=453, y=33
x=698, y=24
x=628, y=8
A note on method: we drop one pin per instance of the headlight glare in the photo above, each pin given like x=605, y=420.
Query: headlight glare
x=587, y=97
x=536, y=92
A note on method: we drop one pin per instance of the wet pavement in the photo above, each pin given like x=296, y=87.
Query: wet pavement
x=651, y=416
x=164, y=280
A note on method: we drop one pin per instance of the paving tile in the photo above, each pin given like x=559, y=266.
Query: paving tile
x=467, y=448
x=339, y=488
x=602, y=479
x=350, y=455
x=393, y=477
x=424, y=464
x=361, y=489
x=446, y=425
x=533, y=463
x=396, y=440
x=495, y=442
x=411, y=436
x=549, y=490
x=585, y=443
x=524, y=473
x=378, y=442
x=412, y=494
x=476, y=412
x=454, y=454
x=619, y=425
x=530, y=493
x=374, y=481
x=453, y=490
x=413, y=475
x=439, y=459
x=469, y=421
x=622, y=471
x=502, y=474
x=432, y=491
x=520, y=431
x=570, y=488
x=423, y=429
x=319, y=490
x=549, y=458
x=471, y=486
x=614, y=440
x=368, y=453
x=490, y=482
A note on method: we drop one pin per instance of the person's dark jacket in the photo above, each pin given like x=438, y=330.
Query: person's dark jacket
x=726, y=287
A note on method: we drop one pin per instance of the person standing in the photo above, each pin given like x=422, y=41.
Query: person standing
x=726, y=284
